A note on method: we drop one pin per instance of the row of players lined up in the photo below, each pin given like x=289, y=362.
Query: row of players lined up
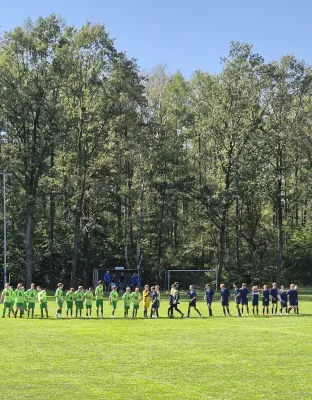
x=25, y=300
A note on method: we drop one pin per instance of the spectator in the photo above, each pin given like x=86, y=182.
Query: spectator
x=135, y=280
x=106, y=281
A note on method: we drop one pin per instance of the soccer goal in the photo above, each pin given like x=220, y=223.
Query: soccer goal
x=172, y=275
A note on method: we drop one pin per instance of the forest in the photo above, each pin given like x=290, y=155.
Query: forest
x=108, y=165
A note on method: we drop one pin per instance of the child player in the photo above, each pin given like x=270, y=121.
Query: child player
x=126, y=299
x=265, y=299
x=283, y=300
x=13, y=299
x=79, y=299
x=89, y=300
x=296, y=288
x=59, y=299
x=135, y=298
x=113, y=298
x=209, y=293
x=7, y=298
x=157, y=288
x=99, y=298
x=31, y=296
x=43, y=302
x=237, y=298
x=174, y=301
x=154, y=306
x=225, y=297
x=273, y=293
x=192, y=303
x=292, y=298
x=69, y=298
x=255, y=300
x=244, y=298
x=146, y=296
x=20, y=300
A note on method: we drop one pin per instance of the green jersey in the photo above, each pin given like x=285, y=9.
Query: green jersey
x=20, y=296
x=59, y=295
x=99, y=292
x=158, y=295
x=42, y=296
x=79, y=296
x=70, y=296
x=7, y=295
x=114, y=295
x=31, y=295
x=135, y=298
x=89, y=298
x=126, y=298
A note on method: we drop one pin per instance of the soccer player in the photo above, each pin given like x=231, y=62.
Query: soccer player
x=43, y=302
x=225, y=297
x=113, y=298
x=283, y=300
x=89, y=300
x=296, y=287
x=31, y=296
x=174, y=301
x=99, y=298
x=192, y=303
x=292, y=298
x=135, y=298
x=274, y=299
x=59, y=300
x=7, y=298
x=126, y=299
x=255, y=300
x=265, y=299
x=244, y=298
x=13, y=299
x=70, y=298
x=146, y=295
x=154, y=306
x=237, y=297
x=157, y=288
x=79, y=299
x=20, y=300
x=209, y=293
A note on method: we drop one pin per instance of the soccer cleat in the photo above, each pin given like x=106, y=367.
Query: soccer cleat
x=199, y=315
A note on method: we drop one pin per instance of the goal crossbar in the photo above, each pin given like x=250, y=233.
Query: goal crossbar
x=168, y=272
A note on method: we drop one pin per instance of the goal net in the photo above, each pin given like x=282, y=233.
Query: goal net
x=186, y=277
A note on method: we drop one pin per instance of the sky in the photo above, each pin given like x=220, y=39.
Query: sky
x=183, y=35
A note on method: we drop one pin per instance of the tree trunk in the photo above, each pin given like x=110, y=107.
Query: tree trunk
x=75, y=251
x=28, y=242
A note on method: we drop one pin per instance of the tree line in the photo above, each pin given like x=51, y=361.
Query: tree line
x=109, y=166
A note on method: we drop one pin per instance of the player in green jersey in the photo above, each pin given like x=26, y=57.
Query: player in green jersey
x=7, y=298
x=99, y=294
x=113, y=298
x=126, y=298
x=70, y=298
x=20, y=300
x=59, y=300
x=89, y=300
x=79, y=299
x=43, y=302
x=31, y=296
x=135, y=298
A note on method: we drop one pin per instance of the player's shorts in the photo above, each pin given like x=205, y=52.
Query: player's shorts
x=79, y=305
x=224, y=303
x=114, y=304
x=274, y=301
x=255, y=303
x=156, y=304
x=146, y=304
x=89, y=306
x=292, y=303
x=283, y=304
x=99, y=303
x=192, y=303
x=69, y=304
x=244, y=302
x=59, y=303
x=265, y=302
x=126, y=306
x=238, y=300
x=20, y=305
x=209, y=302
x=7, y=304
x=43, y=305
x=31, y=306
x=136, y=306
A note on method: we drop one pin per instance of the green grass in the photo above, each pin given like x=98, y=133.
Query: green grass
x=215, y=358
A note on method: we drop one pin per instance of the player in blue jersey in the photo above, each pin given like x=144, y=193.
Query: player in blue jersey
x=225, y=297
x=154, y=306
x=283, y=300
x=274, y=299
x=244, y=298
x=237, y=298
x=209, y=293
x=292, y=299
x=265, y=299
x=192, y=303
x=255, y=300
x=297, y=300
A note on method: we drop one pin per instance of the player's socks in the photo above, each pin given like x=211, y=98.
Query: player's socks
x=224, y=312
x=210, y=312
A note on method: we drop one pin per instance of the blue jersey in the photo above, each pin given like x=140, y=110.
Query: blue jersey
x=106, y=278
x=244, y=293
x=293, y=297
x=154, y=296
x=266, y=294
x=209, y=294
x=273, y=293
x=237, y=295
x=225, y=294
x=192, y=294
x=254, y=297
x=283, y=297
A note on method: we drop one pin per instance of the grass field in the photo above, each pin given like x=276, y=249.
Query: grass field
x=196, y=358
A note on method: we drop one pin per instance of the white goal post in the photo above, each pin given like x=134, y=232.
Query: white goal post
x=190, y=270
